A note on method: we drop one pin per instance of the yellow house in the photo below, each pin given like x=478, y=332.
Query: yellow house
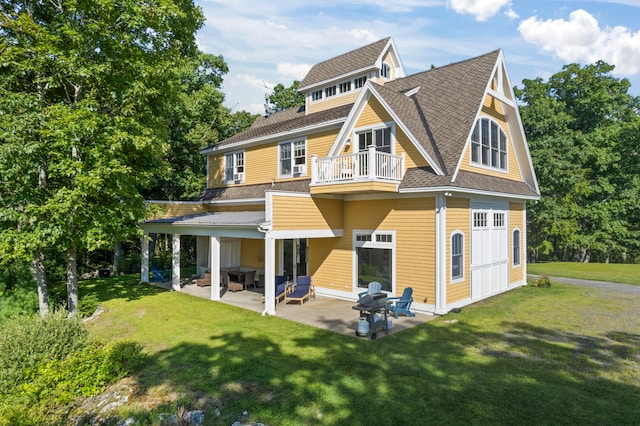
x=413, y=181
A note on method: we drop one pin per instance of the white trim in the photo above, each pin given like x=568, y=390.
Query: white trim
x=373, y=244
x=513, y=265
x=307, y=233
x=468, y=191
x=460, y=279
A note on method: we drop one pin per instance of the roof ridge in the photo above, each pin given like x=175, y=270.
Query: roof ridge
x=451, y=64
x=353, y=50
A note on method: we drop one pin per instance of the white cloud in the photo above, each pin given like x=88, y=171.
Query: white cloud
x=511, y=14
x=482, y=9
x=295, y=71
x=580, y=39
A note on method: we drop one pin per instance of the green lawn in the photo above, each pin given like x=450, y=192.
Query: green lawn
x=614, y=272
x=561, y=355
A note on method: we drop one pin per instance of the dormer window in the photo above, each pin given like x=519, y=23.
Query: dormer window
x=345, y=87
x=385, y=71
x=316, y=95
x=359, y=82
x=330, y=91
x=489, y=145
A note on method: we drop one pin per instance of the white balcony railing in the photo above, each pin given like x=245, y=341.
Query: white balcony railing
x=370, y=165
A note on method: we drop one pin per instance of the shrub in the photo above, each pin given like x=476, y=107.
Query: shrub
x=45, y=364
x=543, y=281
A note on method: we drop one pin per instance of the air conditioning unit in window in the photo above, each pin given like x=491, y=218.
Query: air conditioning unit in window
x=238, y=177
x=299, y=169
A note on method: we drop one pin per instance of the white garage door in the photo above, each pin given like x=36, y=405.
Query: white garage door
x=489, y=250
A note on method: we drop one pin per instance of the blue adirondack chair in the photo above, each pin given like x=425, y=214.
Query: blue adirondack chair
x=402, y=304
x=374, y=287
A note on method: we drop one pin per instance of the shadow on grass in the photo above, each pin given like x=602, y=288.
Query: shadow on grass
x=435, y=373
x=126, y=287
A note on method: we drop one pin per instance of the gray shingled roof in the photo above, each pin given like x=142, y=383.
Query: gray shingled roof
x=252, y=191
x=424, y=177
x=363, y=57
x=445, y=107
x=285, y=121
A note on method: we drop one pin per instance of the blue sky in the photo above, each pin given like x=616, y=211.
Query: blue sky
x=270, y=42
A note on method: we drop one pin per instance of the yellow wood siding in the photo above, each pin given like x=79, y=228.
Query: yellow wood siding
x=372, y=114
x=216, y=170
x=319, y=144
x=296, y=213
x=412, y=157
x=252, y=254
x=493, y=109
x=413, y=220
x=161, y=210
x=516, y=221
x=333, y=101
x=458, y=220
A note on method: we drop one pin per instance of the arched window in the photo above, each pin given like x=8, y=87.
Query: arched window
x=516, y=247
x=457, y=256
x=489, y=145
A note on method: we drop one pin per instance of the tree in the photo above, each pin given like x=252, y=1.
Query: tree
x=579, y=125
x=285, y=97
x=84, y=89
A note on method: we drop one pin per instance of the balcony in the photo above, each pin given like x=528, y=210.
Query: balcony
x=359, y=172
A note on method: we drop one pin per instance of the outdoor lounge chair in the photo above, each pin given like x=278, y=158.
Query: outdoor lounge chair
x=374, y=287
x=402, y=304
x=304, y=290
x=281, y=288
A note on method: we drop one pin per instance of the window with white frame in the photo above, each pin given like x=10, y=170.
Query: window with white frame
x=330, y=91
x=293, y=158
x=375, y=254
x=380, y=138
x=234, y=167
x=316, y=95
x=345, y=87
x=516, y=247
x=489, y=145
x=457, y=256
x=359, y=82
x=385, y=71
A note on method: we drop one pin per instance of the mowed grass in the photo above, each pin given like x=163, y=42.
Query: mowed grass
x=561, y=355
x=612, y=272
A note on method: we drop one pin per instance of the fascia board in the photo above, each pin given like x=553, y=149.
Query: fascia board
x=468, y=191
x=337, y=79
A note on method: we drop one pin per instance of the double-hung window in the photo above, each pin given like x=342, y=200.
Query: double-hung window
x=516, y=247
x=345, y=87
x=234, y=167
x=385, y=71
x=489, y=145
x=457, y=257
x=380, y=138
x=375, y=254
x=293, y=158
x=316, y=95
x=359, y=82
x=330, y=91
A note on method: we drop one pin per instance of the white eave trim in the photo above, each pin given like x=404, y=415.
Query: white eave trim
x=275, y=136
x=459, y=190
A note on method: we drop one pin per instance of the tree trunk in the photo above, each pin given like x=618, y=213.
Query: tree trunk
x=72, y=281
x=117, y=257
x=38, y=271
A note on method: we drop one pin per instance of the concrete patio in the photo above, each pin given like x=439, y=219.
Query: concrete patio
x=322, y=312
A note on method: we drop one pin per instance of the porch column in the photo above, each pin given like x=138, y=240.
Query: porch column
x=214, y=267
x=144, y=257
x=441, y=255
x=314, y=168
x=269, y=276
x=175, y=263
